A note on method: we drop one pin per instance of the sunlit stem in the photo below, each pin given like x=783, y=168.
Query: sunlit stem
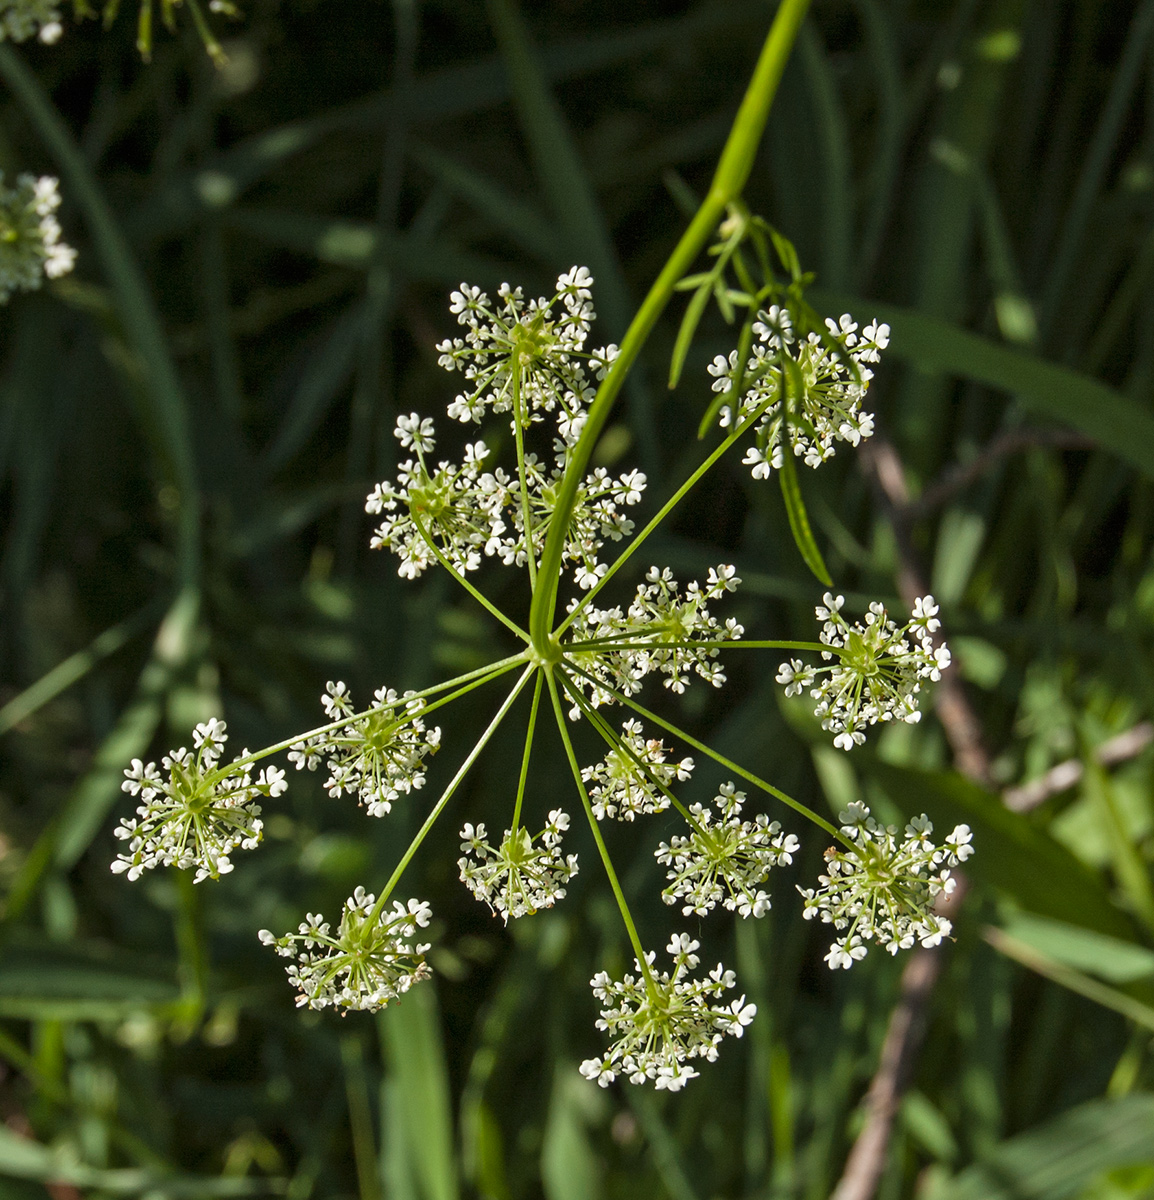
x=606, y=861
x=729, y=180
x=618, y=743
x=447, y=794
x=519, y=434
x=475, y=678
x=528, y=750
x=777, y=793
x=477, y=595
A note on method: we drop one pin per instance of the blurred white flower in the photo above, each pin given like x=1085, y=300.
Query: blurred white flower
x=30, y=245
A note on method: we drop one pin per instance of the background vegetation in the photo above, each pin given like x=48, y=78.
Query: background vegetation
x=188, y=426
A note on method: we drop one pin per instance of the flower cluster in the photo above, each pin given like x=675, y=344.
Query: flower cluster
x=465, y=513
x=658, y=1021
x=828, y=408
x=22, y=19
x=883, y=889
x=525, y=359
x=30, y=245
x=522, y=874
x=371, y=959
x=875, y=669
x=197, y=815
x=724, y=863
x=628, y=781
x=376, y=756
x=661, y=632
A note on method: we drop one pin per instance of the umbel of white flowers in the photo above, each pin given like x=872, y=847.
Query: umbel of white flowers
x=878, y=672
x=22, y=19
x=30, y=245
x=526, y=362
x=882, y=889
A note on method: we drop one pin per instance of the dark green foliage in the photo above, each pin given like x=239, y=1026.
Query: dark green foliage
x=189, y=424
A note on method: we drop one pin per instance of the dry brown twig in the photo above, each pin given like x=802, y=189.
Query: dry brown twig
x=866, y=1161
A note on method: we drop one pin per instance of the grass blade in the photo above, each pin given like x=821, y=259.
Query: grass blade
x=1116, y=423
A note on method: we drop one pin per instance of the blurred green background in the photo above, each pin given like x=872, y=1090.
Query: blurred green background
x=189, y=424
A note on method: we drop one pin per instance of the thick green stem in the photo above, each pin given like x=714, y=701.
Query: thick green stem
x=447, y=794
x=728, y=181
x=777, y=793
x=606, y=861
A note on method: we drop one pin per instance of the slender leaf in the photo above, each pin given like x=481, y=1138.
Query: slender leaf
x=1061, y=1157
x=1093, y=408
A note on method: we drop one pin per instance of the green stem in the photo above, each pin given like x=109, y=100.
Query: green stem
x=597, y=645
x=728, y=181
x=473, y=678
x=613, y=739
x=528, y=751
x=606, y=861
x=777, y=793
x=447, y=794
x=482, y=600
x=166, y=418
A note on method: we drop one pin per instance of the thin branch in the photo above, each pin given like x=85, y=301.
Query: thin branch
x=1067, y=774
x=954, y=479
x=867, y=1158
x=962, y=728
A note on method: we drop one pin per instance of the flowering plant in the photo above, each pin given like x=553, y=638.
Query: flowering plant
x=793, y=388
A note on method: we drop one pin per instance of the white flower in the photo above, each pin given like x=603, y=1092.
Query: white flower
x=883, y=889
x=30, y=245
x=657, y=634
x=197, y=812
x=369, y=961
x=378, y=756
x=528, y=357
x=525, y=354
x=724, y=863
x=874, y=670
x=829, y=409
x=658, y=1022
x=21, y=19
x=625, y=783
x=522, y=874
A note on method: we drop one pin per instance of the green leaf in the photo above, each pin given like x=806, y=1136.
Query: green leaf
x=74, y=982
x=451, y=92
x=522, y=221
x=1060, y=1158
x=416, y=1055
x=75, y=667
x=689, y=323
x=790, y=487
x=1109, y=958
x=24, y=1158
x=72, y=829
x=357, y=243
x=569, y=1167
x=1116, y=423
